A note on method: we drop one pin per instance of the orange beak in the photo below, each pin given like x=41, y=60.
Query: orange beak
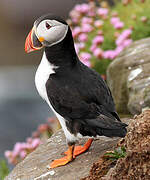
x=32, y=43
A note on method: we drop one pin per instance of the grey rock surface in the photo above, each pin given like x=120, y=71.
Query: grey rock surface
x=34, y=166
x=129, y=78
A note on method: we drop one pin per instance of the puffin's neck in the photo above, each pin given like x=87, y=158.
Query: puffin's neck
x=63, y=54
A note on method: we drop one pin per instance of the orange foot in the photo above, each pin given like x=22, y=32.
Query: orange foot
x=64, y=160
x=80, y=149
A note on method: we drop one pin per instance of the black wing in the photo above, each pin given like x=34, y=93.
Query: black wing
x=82, y=95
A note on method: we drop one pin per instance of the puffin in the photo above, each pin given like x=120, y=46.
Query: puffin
x=79, y=97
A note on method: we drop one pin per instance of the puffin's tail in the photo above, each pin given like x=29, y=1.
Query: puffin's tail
x=105, y=126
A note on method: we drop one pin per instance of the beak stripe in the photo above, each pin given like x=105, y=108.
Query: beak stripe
x=32, y=43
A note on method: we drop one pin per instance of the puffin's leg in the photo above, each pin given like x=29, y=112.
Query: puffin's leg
x=66, y=159
x=81, y=149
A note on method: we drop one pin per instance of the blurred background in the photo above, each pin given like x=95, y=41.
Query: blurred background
x=21, y=108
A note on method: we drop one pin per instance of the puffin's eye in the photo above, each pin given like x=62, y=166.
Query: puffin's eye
x=48, y=26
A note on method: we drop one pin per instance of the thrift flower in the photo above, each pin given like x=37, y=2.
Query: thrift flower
x=98, y=53
x=119, y=25
x=118, y=50
x=110, y=54
x=76, y=31
x=86, y=28
x=23, y=154
x=17, y=149
x=91, y=13
x=36, y=142
x=83, y=37
x=85, y=58
x=102, y=11
x=98, y=40
x=85, y=8
x=81, y=45
x=98, y=23
x=8, y=154
x=127, y=42
x=86, y=20
x=93, y=47
x=114, y=20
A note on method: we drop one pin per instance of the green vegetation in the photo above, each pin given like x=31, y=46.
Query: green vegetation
x=120, y=152
x=4, y=170
x=134, y=15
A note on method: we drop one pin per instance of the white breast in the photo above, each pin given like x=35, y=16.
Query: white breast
x=42, y=74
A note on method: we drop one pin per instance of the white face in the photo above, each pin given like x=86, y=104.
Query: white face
x=51, y=32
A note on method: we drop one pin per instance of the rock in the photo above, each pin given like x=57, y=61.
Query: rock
x=34, y=166
x=136, y=164
x=128, y=78
x=99, y=169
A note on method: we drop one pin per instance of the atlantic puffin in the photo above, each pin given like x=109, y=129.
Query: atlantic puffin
x=78, y=95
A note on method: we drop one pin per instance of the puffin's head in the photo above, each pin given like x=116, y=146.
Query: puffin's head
x=47, y=31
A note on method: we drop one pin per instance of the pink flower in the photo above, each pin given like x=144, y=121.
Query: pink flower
x=102, y=11
x=85, y=8
x=119, y=25
x=51, y=120
x=127, y=42
x=86, y=20
x=8, y=154
x=36, y=142
x=98, y=52
x=91, y=13
x=78, y=8
x=29, y=140
x=100, y=32
x=93, y=47
x=23, y=154
x=35, y=134
x=98, y=23
x=110, y=54
x=123, y=36
x=75, y=16
x=43, y=127
x=75, y=20
x=114, y=20
x=82, y=8
x=126, y=33
x=76, y=31
x=81, y=45
x=85, y=58
x=98, y=40
x=86, y=28
x=25, y=145
x=118, y=50
x=17, y=149
x=120, y=40
x=83, y=37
